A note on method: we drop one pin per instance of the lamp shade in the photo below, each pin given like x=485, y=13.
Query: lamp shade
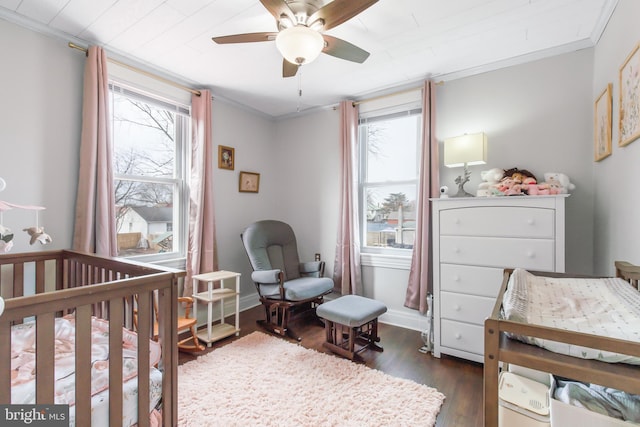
x=300, y=44
x=465, y=150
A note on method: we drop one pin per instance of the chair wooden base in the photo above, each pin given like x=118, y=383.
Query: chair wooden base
x=350, y=341
x=279, y=313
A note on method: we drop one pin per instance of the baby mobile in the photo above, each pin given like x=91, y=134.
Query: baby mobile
x=6, y=235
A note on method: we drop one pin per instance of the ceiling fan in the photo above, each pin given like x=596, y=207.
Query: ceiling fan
x=301, y=25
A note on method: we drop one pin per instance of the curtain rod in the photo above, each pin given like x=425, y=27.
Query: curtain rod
x=375, y=98
x=138, y=70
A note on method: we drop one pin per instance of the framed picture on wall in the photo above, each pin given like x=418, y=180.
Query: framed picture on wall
x=226, y=157
x=629, y=105
x=249, y=182
x=602, y=124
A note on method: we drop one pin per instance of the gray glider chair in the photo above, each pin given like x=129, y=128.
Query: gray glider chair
x=285, y=285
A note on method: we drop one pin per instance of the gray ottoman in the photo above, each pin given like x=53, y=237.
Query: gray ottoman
x=350, y=319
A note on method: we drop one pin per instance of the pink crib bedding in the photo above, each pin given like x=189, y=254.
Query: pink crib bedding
x=23, y=359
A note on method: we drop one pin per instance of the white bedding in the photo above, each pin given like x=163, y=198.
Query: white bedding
x=605, y=307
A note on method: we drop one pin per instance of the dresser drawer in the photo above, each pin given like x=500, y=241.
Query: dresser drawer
x=462, y=336
x=532, y=254
x=466, y=308
x=472, y=280
x=504, y=221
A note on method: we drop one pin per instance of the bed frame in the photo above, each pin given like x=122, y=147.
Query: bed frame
x=89, y=285
x=498, y=348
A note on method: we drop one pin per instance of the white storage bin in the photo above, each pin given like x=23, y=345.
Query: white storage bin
x=523, y=402
x=563, y=415
x=539, y=376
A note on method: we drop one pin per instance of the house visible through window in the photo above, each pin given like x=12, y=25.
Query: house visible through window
x=388, y=178
x=149, y=159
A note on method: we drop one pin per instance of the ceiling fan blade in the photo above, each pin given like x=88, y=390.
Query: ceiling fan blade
x=245, y=38
x=344, y=50
x=277, y=8
x=339, y=11
x=289, y=69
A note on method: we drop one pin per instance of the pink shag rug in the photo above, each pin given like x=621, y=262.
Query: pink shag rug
x=261, y=380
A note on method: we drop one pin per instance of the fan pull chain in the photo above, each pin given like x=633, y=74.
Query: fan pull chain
x=299, y=89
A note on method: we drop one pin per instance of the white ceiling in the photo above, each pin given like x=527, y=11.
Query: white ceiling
x=409, y=40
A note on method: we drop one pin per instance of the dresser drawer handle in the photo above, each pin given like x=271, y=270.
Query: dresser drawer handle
x=456, y=278
x=456, y=307
x=530, y=221
x=456, y=250
x=531, y=254
x=457, y=335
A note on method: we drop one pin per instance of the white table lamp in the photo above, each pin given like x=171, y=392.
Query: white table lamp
x=465, y=150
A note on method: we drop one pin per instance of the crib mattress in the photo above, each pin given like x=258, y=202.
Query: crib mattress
x=597, y=306
x=23, y=368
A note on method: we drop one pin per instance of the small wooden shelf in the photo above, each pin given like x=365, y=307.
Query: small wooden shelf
x=216, y=331
x=216, y=295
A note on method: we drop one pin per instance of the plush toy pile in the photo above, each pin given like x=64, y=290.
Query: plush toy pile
x=516, y=182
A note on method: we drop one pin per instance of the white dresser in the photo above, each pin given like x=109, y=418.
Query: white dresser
x=474, y=239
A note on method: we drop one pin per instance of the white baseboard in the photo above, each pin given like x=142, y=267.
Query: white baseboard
x=416, y=322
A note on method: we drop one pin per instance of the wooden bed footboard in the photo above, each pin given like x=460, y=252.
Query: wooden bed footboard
x=41, y=286
x=499, y=348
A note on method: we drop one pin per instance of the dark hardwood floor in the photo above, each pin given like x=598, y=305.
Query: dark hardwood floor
x=459, y=380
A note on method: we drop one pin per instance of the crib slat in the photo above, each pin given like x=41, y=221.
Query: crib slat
x=18, y=280
x=45, y=332
x=167, y=316
x=144, y=331
x=83, y=365
x=115, y=361
x=40, y=277
x=5, y=362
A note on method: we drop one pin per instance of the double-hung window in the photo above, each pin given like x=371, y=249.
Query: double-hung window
x=389, y=153
x=150, y=136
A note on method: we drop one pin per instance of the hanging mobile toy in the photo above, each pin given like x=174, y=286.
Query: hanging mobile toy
x=6, y=236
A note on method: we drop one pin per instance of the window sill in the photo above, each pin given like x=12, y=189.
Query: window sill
x=400, y=262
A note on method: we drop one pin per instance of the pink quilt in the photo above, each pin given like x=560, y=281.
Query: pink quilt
x=23, y=359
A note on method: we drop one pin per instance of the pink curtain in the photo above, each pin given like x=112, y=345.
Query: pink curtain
x=421, y=262
x=346, y=273
x=202, y=256
x=95, y=228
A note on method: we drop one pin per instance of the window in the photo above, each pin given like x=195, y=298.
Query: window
x=150, y=137
x=388, y=178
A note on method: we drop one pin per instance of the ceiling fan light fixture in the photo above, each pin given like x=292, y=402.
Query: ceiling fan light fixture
x=300, y=44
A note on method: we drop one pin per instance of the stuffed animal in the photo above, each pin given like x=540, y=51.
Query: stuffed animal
x=38, y=235
x=509, y=187
x=489, y=179
x=6, y=239
x=559, y=181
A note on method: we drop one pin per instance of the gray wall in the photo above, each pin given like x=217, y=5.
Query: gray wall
x=40, y=122
x=617, y=200
x=537, y=116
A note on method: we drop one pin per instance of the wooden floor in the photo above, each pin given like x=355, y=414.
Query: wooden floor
x=459, y=380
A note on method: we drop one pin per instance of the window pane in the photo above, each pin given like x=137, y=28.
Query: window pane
x=149, y=142
x=392, y=149
x=144, y=218
x=144, y=138
x=391, y=216
x=389, y=162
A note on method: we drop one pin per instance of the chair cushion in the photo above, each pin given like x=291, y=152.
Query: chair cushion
x=351, y=310
x=272, y=245
x=301, y=288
